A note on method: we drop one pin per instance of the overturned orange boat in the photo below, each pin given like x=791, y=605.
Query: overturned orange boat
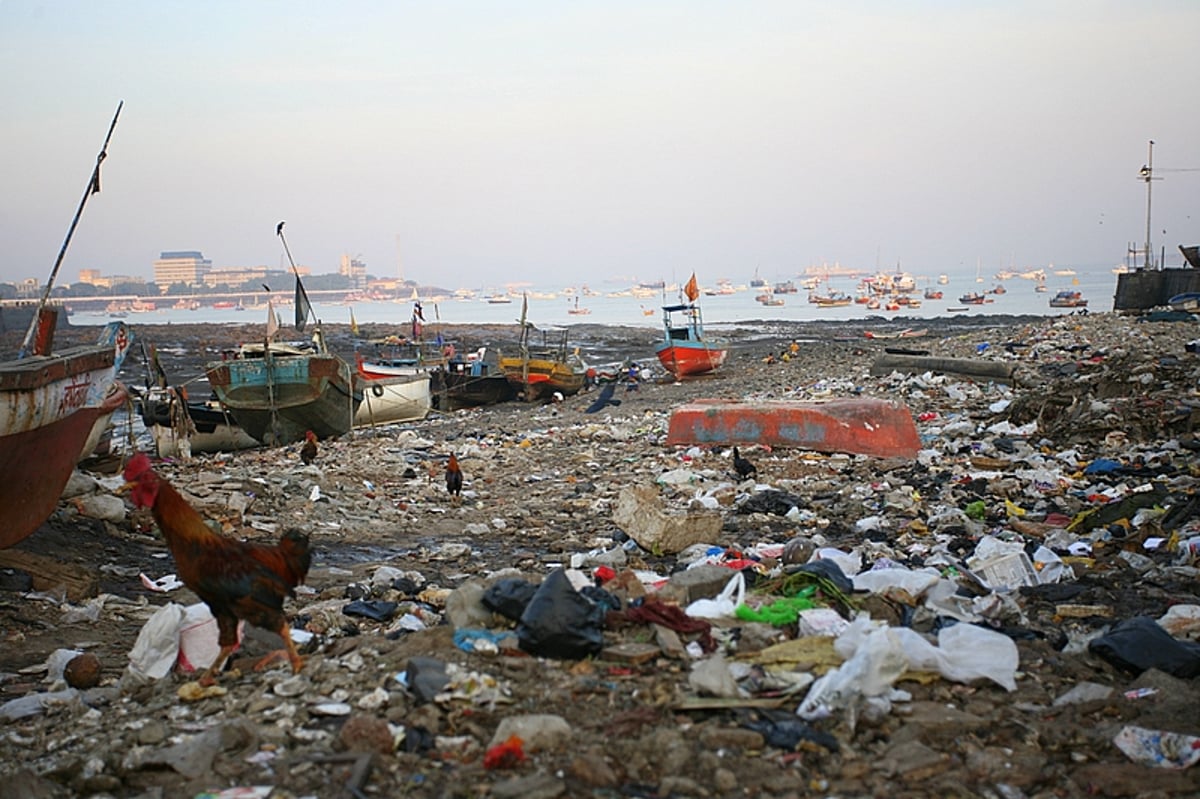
x=863, y=426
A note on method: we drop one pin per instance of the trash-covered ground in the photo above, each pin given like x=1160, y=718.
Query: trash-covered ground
x=1010, y=613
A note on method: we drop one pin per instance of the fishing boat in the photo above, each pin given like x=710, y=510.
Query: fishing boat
x=972, y=298
x=385, y=400
x=576, y=310
x=933, y=294
x=277, y=392
x=1068, y=299
x=552, y=368
x=51, y=403
x=685, y=350
x=181, y=427
x=469, y=382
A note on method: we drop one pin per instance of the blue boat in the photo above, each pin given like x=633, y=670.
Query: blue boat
x=1188, y=301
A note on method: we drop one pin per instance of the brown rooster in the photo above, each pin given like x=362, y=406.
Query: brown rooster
x=308, y=453
x=454, y=477
x=236, y=579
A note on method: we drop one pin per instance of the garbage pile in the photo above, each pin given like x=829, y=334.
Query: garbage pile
x=1013, y=612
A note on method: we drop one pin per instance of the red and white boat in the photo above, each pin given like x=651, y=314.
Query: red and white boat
x=685, y=350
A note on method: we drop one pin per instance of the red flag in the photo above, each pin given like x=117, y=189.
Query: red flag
x=691, y=289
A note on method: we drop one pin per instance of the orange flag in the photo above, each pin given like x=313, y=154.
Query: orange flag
x=691, y=289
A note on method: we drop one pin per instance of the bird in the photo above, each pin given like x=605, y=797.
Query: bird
x=454, y=477
x=238, y=580
x=743, y=467
x=308, y=453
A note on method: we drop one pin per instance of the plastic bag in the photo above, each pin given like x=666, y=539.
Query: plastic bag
x=509, y=597
x=1139, y=643
x=559, y=622
x=724, y=604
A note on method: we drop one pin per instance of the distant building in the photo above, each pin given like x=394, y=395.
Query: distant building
x=182, y=266
x=29, y=287
x=94, y=278
x=354, y=269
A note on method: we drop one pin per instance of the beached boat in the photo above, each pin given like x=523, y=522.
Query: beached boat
x=685, y=350
x=468, y=382
x=401, y=398
x=541, y=373
x=1068, y=299
x=181, y=427
x=51, y=403
x=50, y=406
x=278, y=392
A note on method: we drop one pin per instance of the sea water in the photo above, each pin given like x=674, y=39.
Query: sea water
x=721, y=310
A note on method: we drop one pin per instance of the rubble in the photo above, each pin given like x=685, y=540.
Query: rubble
x=949, y=623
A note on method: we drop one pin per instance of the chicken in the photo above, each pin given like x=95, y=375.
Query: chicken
x=308, y=453
x=743, y=467
x=454, y=477
x=236, y=579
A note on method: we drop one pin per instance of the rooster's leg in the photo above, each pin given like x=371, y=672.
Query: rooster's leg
x=289, y=651
x=209, y=677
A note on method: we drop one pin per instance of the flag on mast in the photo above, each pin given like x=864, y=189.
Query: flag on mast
x=272, y=321
x=303, y=306
x=692, y=289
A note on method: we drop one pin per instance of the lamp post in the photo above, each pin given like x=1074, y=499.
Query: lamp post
x=1146, y=173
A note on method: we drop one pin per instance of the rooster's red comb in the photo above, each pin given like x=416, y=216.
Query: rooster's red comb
x=138, y=465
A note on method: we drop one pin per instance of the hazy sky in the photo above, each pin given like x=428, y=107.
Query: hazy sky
x=477, y=143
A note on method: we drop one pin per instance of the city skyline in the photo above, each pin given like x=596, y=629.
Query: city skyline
x=475, y=144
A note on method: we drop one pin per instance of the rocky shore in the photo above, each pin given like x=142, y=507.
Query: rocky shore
x=1084, y=464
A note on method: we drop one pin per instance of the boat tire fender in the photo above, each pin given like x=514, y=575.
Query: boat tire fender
x=377, y=391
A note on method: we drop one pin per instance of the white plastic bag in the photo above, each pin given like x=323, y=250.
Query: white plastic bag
x=157, y=645
x=723, y=605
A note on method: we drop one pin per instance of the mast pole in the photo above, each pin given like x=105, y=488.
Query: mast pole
x=93, y=187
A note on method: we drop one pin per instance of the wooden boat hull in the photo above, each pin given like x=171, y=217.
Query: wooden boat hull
x=215, y=429
x=49, y=407
x=542, y=378
x=688, y=358
x=454, y=389
x=401, y=398
x=277, y=399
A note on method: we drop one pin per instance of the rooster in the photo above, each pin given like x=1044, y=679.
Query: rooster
x=454, y=477
x=236, y=579
x=743, y=467
x=308, y=453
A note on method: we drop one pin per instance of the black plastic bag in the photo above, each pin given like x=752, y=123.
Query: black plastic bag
x=771, y=501
x=1137, y=644
x=376, y=609
x=509, y=597
x=560, y=622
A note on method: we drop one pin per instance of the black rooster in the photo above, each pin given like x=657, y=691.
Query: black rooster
x=743, y=467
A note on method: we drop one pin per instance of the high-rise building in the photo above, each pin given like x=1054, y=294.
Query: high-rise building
x=182, y=266
x=354, y=269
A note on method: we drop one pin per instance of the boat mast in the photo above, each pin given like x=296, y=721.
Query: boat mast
x=93, y=187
